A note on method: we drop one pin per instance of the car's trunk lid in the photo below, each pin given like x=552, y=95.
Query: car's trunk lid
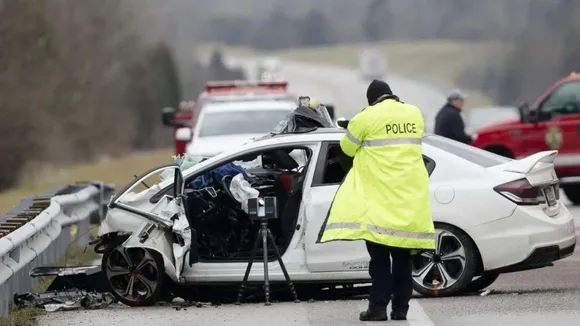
x=538, y=170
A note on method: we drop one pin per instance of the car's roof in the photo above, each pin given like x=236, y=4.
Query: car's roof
x=319, y=134
x=263, y=105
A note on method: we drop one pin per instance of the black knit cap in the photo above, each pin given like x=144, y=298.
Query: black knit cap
x=377, y=88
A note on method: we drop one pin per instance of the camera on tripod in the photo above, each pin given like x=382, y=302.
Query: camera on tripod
x=260, y=209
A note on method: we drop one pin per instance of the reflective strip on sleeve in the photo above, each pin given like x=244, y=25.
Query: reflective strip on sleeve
x=383, y=142
x=392, y=141
x=352, y=138
x=381, y=231
x=353, y=226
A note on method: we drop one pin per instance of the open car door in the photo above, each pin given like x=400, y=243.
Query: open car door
x=163, y=226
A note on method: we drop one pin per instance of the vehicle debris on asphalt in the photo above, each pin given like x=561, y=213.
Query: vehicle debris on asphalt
x=72, y=288
x=64, y=300
x=88, y=278
x=179, y=304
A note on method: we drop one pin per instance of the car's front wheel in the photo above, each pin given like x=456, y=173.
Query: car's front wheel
x=135, y=275
x=448, y=269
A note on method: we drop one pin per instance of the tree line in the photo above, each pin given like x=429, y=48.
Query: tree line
x=82, y=78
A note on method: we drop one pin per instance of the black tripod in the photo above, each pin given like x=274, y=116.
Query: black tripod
x=265, y=235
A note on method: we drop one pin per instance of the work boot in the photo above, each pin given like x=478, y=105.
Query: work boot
x=373, y=315
x=398, y=315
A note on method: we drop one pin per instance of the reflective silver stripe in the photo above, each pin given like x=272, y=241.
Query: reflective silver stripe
x=393, y=141
x=382, y=231
x=383, y=142
x=401, y=234
x=354, y=226
x=352, y=138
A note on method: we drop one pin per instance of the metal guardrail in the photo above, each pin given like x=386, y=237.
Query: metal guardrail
x=37, y=232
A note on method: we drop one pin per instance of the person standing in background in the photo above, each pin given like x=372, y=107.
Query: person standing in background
x=448, y=121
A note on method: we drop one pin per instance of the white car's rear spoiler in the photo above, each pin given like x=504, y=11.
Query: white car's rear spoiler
x=526, y=164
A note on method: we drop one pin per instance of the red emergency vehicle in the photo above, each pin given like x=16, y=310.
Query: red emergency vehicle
x=550, y=123
x=238, y=90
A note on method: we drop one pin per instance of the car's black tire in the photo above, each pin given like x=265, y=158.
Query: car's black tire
x=150, y=278
x=481, y=282
x=453, y=243
x=572, y=191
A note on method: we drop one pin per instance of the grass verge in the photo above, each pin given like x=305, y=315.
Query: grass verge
x=22, y=317
x=75, y=256
x=439, y=62
x=112, y=170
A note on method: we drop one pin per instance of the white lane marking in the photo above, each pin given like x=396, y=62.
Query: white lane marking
x=417, y=316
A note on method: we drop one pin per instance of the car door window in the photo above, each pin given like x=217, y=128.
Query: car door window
x=333, y=165
x=564, y=100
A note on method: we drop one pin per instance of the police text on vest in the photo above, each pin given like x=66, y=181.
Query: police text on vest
x=401, y=128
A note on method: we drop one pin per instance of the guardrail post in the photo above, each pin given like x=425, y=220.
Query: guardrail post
x=101, y=201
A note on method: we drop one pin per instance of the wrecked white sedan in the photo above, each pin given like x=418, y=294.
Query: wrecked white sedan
x=494, y=215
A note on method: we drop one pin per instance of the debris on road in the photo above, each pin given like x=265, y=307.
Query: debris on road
x=87, y=278
x=179, y=304
x=484, y=293
x=64, y=300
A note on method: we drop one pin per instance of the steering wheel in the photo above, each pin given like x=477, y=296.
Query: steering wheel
x=225, y=185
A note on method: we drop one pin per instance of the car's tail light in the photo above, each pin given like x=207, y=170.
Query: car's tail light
x=520, y=192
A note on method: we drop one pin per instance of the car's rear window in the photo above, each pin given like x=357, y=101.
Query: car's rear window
x=472, y=154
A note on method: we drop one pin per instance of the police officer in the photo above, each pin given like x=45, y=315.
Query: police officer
x=448, y=121
x=384, y=199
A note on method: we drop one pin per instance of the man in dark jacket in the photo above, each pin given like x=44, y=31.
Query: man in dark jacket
x=448, y=122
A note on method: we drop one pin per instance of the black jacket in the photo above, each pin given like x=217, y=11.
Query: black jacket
x=449, y=123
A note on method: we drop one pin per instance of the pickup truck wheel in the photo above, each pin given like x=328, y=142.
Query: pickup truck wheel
x=573, y=193
x=135, y=275
x=500, y=150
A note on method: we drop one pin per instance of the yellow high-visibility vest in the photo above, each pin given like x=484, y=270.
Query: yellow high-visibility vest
x=385, y=196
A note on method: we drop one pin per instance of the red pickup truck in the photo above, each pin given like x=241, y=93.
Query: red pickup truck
x=552, y=122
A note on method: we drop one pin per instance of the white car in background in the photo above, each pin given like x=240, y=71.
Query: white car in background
x=268, y=69
x=372, y=64
x=223, y=126
x=492, y=215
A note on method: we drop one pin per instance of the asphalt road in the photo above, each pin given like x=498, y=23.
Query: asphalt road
x=539, y=297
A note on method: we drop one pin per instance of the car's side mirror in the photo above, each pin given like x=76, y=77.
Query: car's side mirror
x=330, y=109
x=533, y=116
x=183, y=134
x=525, y=112
x=342, y=122
x=167, y=116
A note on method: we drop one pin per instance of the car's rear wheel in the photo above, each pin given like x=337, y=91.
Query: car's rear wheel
x=135, y=275
x=450, y=268
x=572, y=191
x=481, y=282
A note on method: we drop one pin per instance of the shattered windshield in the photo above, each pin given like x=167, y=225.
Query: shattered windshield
x=184, y=161
x=304, y=119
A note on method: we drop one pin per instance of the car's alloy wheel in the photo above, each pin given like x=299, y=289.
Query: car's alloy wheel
x=135, y=275
x=449, y=268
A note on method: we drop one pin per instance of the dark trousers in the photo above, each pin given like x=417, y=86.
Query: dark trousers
x=398, y=284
